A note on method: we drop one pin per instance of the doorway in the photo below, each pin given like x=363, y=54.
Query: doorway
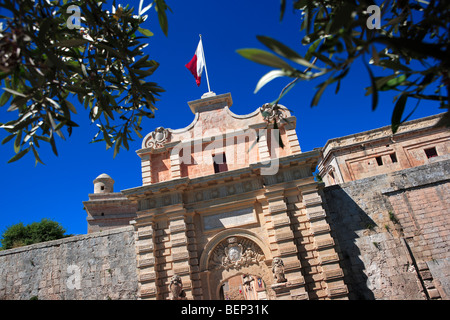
x=243, y=287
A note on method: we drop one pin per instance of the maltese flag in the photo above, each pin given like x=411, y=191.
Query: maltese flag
x=197, y=63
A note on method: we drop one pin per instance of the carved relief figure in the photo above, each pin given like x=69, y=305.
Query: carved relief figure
x=278, y=270
x=158, y=138
x=176, y=288
x=235, y=253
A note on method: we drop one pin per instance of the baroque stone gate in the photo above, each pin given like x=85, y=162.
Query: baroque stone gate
x=226, y=210
x=222, y=197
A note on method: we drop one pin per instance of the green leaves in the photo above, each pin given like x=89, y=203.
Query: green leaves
x=284, y=51
x=414, y=53
x=265, y=58
x=374, y=87
x=4, y=98
x=145, y=32
x=398, y=112
x=271, y=60
x=14, y=92
x=321, y=88
x=161, y=8
x=71, y=43
x=392, y=83
x=102, y=64
x=269, y=77
x=283, y=68
x=19, y=155
x=19, y=235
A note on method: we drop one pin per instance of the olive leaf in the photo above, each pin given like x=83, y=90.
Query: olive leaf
x=49, y=69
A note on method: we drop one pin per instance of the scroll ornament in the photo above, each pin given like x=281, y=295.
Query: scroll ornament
x=158, y=138
x=272, y=113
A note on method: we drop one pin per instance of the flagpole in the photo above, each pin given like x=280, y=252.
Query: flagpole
x=206, y=70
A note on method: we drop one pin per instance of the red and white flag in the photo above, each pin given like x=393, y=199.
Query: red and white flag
x=197, y=63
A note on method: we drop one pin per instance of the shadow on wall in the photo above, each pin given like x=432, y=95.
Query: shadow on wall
x=348, y=220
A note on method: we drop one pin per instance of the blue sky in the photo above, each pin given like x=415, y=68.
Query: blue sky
x=56, y=190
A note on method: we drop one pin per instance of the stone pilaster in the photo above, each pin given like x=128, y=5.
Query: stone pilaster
x=175, y=169
x=330, y=274
x=179, y=255
x=292, y=138
x=282, y=244
x=163, y=257
x=263, y=147
x=183, y=258
x=194, y=269
x=146, y=169
x=145, y=255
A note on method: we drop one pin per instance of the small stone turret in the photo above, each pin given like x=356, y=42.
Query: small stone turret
x=103, y=184
x=107, y=209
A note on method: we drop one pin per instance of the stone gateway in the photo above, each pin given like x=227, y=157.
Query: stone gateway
x=229, y=209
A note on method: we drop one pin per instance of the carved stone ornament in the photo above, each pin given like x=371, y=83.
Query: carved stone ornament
x=158, y=138
x=235, y=253
x=176, y=288
x=278, y=270
x=272, y=113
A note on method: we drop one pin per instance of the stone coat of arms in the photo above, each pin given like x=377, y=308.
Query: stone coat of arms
x=235, y=253
x=158, y=138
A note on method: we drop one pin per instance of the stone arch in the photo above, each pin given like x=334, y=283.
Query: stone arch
x=254, y=259
x=237, y=232
x=261, y=271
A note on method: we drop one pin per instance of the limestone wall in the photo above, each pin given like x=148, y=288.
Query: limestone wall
x=100, y=265
x=393, y=232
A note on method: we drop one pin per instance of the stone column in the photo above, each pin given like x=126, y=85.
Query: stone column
x=283, y=246
x=331, y=279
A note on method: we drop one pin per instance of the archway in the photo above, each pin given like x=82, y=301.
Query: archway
x=243, y=287
x=237, y=258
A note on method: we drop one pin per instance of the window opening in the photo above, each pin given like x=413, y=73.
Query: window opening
x=393, y=157
x=220, y=163
x=431, y=152
x=379, y=161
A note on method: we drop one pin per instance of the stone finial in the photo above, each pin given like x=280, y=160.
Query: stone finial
x=278, y=270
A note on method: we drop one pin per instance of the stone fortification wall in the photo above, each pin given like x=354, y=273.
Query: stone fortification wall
x=393, y=232
x=100, y=265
